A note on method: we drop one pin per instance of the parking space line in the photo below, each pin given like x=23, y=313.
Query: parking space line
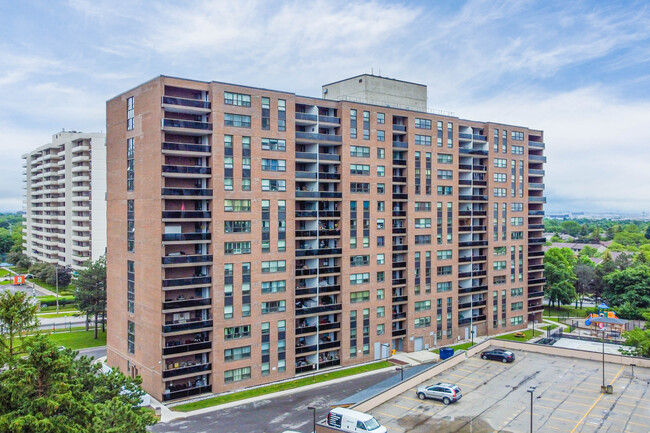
x=560, y=409
x=464, y=377
x=597, y=400
x=565, y=402
x=421, y=401
x=385, y=414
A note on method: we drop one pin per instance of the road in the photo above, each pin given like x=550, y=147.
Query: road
x=274, y=416
x=94, y=352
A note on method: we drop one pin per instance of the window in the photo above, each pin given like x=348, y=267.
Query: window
x=130, y=164
x=130, y=113
x=517, y=150
x=274, y=307
x=444, y=174
x=359, y=261
x=380, y=241
x=444, y=287
x=380, y=223
x=500, y=177
x=266, y=113
x=381, y=259
x=381, y=188
x=422, y=206
x=422, y=306
x=359, y=169
x=274, y=286
x=423, y=240
x=366, y=125
x=130, y=286
x=131, y=336
x=237, y=353
x=274, y=185
x=130, y=226
x=501, y=279
x=274, y=144
x=381, y=118
x=357, y=187
x=360, y=151
x=500, y=192
x=381, y=136
x=353, y=123
x=517, y=207
x=356, y=279
x=237, y=226
x=423, y=140
x=422, y=123
x=381, y=153
x=236, y=332
x=356, y=297
x=444, y=158
x=517, y=292
x=518, y=136
x=517, y=221
x=381, y=206
x=423, y=322
x=237, y=205
x=443, y=254
x=444, y=270
x=499, y=251
x=500, y=163
x=517, y=320
x=381, y=171
x=237, y=120
x=381, y=329
x=274, y=266
x=422, y=223
x=444, y=190
x=282, y=115
x=274, y=164
x=380, y=294
x=499, y=265
x=517, y=235
x=237, y=247
x=237, y=99
x=237, y=374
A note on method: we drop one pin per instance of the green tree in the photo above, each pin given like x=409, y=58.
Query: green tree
x=585, y=278
x=19, y=260
x=17, y=316
x=558, y=270
x=647, y=232
x=54, y=391
x=588, y=251
x=6, y=241
x=571, y=227
x=629, y=285
x=91, y=290
x=639, y=342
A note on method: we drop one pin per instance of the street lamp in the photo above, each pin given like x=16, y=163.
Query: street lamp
x=313, y=409
x=401, y=370
x=604, y=389
x=531, y=390
x=533, y=327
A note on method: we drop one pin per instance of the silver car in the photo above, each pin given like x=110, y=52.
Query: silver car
x=446, y=392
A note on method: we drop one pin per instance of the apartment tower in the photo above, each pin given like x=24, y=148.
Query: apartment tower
x=256, y=235
x=65, y=199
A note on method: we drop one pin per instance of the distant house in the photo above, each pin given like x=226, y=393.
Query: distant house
x=575, y=247
x=563, y=236
x=598, y=260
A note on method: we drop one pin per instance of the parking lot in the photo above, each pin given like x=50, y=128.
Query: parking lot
x=567, y=398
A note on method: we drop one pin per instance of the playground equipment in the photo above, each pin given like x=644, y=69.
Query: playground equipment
x=603, y=311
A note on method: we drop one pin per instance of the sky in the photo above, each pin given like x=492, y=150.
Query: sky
x=578, y=70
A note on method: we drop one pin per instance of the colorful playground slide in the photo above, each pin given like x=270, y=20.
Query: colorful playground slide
x=610, y=314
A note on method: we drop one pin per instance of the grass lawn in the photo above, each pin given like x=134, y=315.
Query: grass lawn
x=52, y=308
x=5, y=283
x=548, y=327
x=4, y=272
x=528, y=334
x=71, y=313
x=462, y=346
x=18, y=270
x=79, y=339
x=564, y=311
x=50, y=287
x=235, y=396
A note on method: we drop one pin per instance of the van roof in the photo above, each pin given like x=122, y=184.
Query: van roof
x=363, y=417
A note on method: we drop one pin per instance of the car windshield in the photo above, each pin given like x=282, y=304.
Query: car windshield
x=372, y=424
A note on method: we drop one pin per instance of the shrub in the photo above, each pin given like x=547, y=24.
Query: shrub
x=51, y=300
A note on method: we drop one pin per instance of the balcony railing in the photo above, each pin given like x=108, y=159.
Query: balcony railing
x=304, y=311
x=473, y=197
x=187, y=192
x=187, y=392
x=399, y=281
x=319, y=137
x=187, y=124
x=306, y=116
x=536, y=172
x=176, y=327
x=400, y=248
x=537, y=144
x=174, y=305
x=538, y=294
x=473, y=289
x=399, y=162
x=471, y=259
x=536, y=212
x=329, y=119
x=399, y=127
x=318, y=252
x=182, y=259
x=398, y=332
x=473, y=151
x=184, y=348
x=398, y=196
x=400, y=144
x=471, y=167
x=399, y=213
x=473, y=244
x=536, y=281
x=468, y=320
x=186, y=214
x=304, y=291
x=474, y=304
x=318, y=194
x=182, y=147
x=399, y=299
x=537, y=158
x=187, y=370
x=534, y=199
x=186, y=169
x=170, y=237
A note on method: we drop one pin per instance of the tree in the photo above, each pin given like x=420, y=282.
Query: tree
x=629, y=285
x=639, y=342
x=54, y=391
x=6, y=241
x=19, y=260
x=17, y=315
x=623, y=261
x=629, y=312
x=588, y=251
x=91, y=290
x=571, y=227
x=558, y=270
x=647, y=232
x=585, y=277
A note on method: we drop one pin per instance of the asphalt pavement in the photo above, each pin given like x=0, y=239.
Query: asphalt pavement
x=274, y=415
x=94, y=352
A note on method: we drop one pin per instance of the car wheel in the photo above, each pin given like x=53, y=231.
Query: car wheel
x=421, y=396
x=446, y=401
x=483, y=356
x=504, y=360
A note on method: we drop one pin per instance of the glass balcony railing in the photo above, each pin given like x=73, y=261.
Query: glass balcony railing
x=187, y=124
x=196, y=103
x=186, y=169
x=184, y=348
x=176, y=327
x=186, y=214
x=186, y=259
x=319, y=137
x=187, y=192
x=190, y=281
x=170, y=237
x=182, y=147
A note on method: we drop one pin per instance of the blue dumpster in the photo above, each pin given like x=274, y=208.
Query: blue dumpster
x=446, y=352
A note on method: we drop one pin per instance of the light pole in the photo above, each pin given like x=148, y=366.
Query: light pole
x=603, y=339
x=56, y=281
x=531, y=390
x=401, y=370
x=533, y=327
x=313, y=409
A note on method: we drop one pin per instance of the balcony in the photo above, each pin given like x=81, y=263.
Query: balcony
x=536, y=144
x=473, y=151
x=399, y=179
x=400, y=248
x=187, y=392
x=477, y=273
x=533, y=199
x=306, y=291
x=472, y=213
x=535, y=226
x=178, y=125
x=474, y=304
x=473, y=289
x=188, y=215
x=178, y=283
x=305, y=311
x=194, y=259
x=399, y=265
x=473, y=244
x=183, y=149
x=473, y=197
x=185, y=348
x=401, y=162
x=472, y=182
x=536, y=172
x=186, y=171
x=187, y=326
x=187, y=193
x=534, y=281
x=399, y=281
x=536, y=254
x=536, y=212
x=329, y=119
x=201, y=368
x=399, y=213
x=538, y=307
x=401, y=128
x=399, y=230
x=536, y=267
x=539, y=158
x=318, y=252
x=398, y=332
x=535, y=186
x=318, y=194
x=537, y=240
x=188, y=303
x=399, y=299
x=329, y=176
x=471, y=229
x=312, y=136
x=538, y=294
x=400, y=144
x=398, y=196
x=198, y=105
x=309, y=118
x=471, y=259
x=471, y=167
x=181, y=237
x=468, y=320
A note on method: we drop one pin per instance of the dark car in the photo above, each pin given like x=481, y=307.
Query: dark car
x=498, y=355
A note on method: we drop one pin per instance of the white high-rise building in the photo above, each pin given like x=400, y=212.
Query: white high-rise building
x=65, y=199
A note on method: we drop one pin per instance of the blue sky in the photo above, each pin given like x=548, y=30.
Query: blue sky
x=578, y=70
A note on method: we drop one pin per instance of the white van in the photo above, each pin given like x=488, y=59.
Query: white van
x=352, y=421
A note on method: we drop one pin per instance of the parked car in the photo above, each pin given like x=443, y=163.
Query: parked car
x=446, y=392
x=498, y=355
x=350, y=420
x=29, y=276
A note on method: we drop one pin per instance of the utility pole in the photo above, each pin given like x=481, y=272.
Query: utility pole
x=531, y=390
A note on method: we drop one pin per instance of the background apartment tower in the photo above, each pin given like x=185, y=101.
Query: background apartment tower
x=255, y=235
x=65, y=199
